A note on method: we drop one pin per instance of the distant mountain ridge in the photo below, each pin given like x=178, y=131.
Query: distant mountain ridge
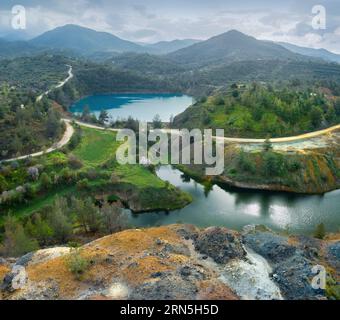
x=84, y=40
x=230, y=47
x=311, y=52
x=164, y=47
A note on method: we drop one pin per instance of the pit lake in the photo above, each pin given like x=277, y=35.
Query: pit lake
x=139, y=106
x=235, y=208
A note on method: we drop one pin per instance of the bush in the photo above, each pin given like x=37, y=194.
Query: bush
x=294, y=165
x=3, y=184
x=274, y=164
x=320, y=231
x=45, y=180
x=114, y=219
x=245, y=163
x=76, y=263
x=16, y=242
x=74, y=162
x=76, y=139
x=83, y=184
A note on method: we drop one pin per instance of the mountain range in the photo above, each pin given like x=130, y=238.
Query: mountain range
x=228, y=47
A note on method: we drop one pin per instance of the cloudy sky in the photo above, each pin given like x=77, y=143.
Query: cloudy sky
x=155, y=20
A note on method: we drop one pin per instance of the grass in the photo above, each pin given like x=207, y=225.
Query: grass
x=138, y=176
x=96, y=147
x=40, y=202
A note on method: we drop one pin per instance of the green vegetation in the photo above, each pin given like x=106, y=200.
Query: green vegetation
x=320, y=231
x=39, y=191
x=260, y=111
x=270, y=169
x=76, y=263
x=96, y=147
x=34, y=74
x=26, y=125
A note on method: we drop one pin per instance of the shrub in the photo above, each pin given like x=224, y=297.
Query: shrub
x=92, y=174
x=33, y=172
x=76, y=263
x=76, y=139
x=3, y=184
x=83, y=184
x=16, y=242
x=114, y=219
x=74, y=162
x=245, y=163
x=294, y=165
x=45, y=180
x=274, y=164
x=114, y=178
x=320, y=231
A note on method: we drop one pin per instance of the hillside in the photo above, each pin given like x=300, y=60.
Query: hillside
x=229, y=47
x=311, y=52
x=177, y=262
x=164, y=47
x=83, y=40
x=17, y=48
x=34, y=73
x=262, y=111
x=146, y=64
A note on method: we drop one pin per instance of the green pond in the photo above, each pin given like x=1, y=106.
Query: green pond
x=235, y=208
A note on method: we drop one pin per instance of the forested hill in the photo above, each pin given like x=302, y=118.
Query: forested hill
x=36, y=73
x=229, y=47
x=260, y=111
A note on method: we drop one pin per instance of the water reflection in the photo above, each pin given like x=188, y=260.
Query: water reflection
x=235, y=208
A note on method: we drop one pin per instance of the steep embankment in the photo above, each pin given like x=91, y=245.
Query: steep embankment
x=177, y=262
x=307, y=166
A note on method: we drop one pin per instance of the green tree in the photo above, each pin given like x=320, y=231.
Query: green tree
x=16, y=241
x=113, y=218
x=87, y=214
x=3, y=183
x=45, y=180
x=103, y=116
x=316, y=116
x=39, y=229
x=157, y=122
x=53, y=124
x=274, y=164
x=59, y=222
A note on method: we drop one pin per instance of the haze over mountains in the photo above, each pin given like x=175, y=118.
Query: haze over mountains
x=228, y=47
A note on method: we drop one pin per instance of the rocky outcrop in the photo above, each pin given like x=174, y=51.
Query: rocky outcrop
x=175, y=262
x=220, y=244
x=292, y=260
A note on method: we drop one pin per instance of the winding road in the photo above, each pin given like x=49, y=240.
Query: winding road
x=67, y=134
x=59, y=85
x=70, y=130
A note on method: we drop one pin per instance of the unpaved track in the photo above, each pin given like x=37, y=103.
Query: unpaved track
x=67, y=134
x=61, y=84
x=64, y=141
x=304, y=136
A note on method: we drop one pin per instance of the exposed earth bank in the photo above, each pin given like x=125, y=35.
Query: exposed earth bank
x=178, y=262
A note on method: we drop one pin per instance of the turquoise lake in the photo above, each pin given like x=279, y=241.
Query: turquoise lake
x=140, y=106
